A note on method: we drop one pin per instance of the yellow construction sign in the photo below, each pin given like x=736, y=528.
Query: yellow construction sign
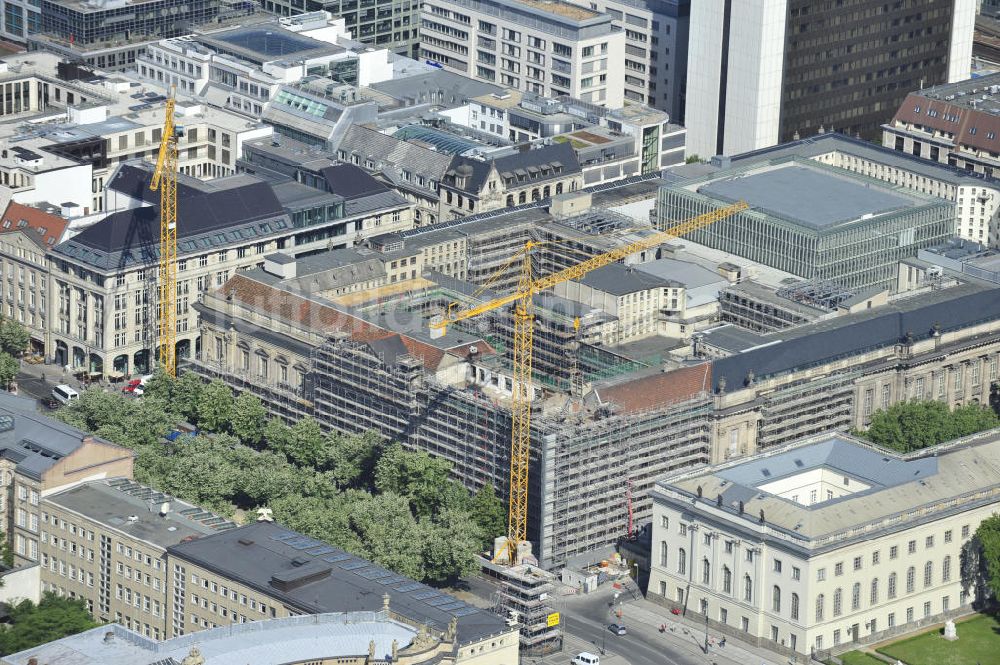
x=552, y=619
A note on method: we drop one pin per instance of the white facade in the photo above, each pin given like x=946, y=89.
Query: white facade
x=552, y=49
x=753, y=76
x=656, y=46
x=857, y=567
x=963, y=28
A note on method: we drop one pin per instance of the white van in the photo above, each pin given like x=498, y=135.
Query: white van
x=586, y=658
x=64, y=394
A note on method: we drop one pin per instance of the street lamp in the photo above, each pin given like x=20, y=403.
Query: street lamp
x=706, y=630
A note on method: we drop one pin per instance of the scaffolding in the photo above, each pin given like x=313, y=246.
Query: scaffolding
x=817, y=293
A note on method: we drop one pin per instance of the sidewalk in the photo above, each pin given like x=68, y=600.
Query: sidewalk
x=736, y=651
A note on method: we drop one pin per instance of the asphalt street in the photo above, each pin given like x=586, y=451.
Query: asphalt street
x=585, y=620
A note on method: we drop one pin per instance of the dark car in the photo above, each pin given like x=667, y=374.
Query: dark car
x=50, y=403
x=617, y=629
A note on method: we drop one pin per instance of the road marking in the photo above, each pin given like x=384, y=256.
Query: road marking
x=652, y=654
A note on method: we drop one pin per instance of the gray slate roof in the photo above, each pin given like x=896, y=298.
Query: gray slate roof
x=818, y=344
x=35, y=442
x=330, y=580
x=526, y=161
x=418, y=160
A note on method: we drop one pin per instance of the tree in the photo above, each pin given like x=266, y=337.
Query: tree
x=14, y=337
x=388, y=533
x=8, y=368
x=53, y=618
x=450, y=543
x=351, y=459
x=305, y=444
x=909, y=426
x=322, y=518
x=215, y=407
x=187, y=395
x=160, y=385
x=276, y=434
x=249, y=418
x=416, y=476
x=984, y=558
x=489, y=513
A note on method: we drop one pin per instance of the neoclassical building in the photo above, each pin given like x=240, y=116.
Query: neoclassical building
x=823, y=543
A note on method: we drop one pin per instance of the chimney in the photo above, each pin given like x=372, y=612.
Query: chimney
x=109, y=637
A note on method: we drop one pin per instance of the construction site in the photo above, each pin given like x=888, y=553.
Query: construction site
x=431, y=361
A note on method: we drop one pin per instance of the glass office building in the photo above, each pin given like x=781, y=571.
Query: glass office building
x=811, y=220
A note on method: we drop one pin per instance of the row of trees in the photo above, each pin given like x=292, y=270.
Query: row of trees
x=396, y=507
x=909, y=426
x=53, y=618
x=14, y=340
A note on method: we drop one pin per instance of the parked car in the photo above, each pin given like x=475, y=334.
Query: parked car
x=64, y=394
x=617, y=629
x=51, y=403
x=178, y=436
x=587, y=658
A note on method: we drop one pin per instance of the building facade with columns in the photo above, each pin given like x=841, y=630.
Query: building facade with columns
x=103, y=281
x=816, y=546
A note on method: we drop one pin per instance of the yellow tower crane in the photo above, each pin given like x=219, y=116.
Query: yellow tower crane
x=528, y=286
x=165, y=179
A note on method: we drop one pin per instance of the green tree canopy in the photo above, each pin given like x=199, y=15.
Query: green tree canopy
x=187, y=395
x=490, y=514
x=14, y=337
x=909, y=426
x=392, y=506
x=8, y=368
x=249, y=418
x=215, y=407
x=351, y=459
x=53, y=618
x=985, y=547
x=416, y=476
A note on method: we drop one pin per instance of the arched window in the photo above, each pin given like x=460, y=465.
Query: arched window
x=727, y=580
x=663, y=553
x=911, y=579
x=776, y=598
x=510, y=200
x=892, y=586
x=820, y=606
x=681, y=561
x=559, y=188
x=706, y=573
x=546, y=191
x=795, y=606
x=747, y=589
x=535, y=194
x=874, y=596
x=928, y=574
x=946, y=569
x=856, y=596
x=838, y=602
x=522, y=197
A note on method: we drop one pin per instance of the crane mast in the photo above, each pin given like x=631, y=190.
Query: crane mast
x=165, y=179
x=521, y=393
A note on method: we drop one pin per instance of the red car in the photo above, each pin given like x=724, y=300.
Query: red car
x=133, y=387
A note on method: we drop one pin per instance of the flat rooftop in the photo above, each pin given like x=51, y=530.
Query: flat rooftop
x=266, y=42
x=980, y=94
x=560, y=8
x=114, y=502
x=808, y=196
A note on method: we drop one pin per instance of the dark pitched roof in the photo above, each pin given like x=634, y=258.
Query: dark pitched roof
x=47, y=228
x=315, y=577
x=857, y=336
x=201, y=208
x=528, y=162
x=351, y=182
